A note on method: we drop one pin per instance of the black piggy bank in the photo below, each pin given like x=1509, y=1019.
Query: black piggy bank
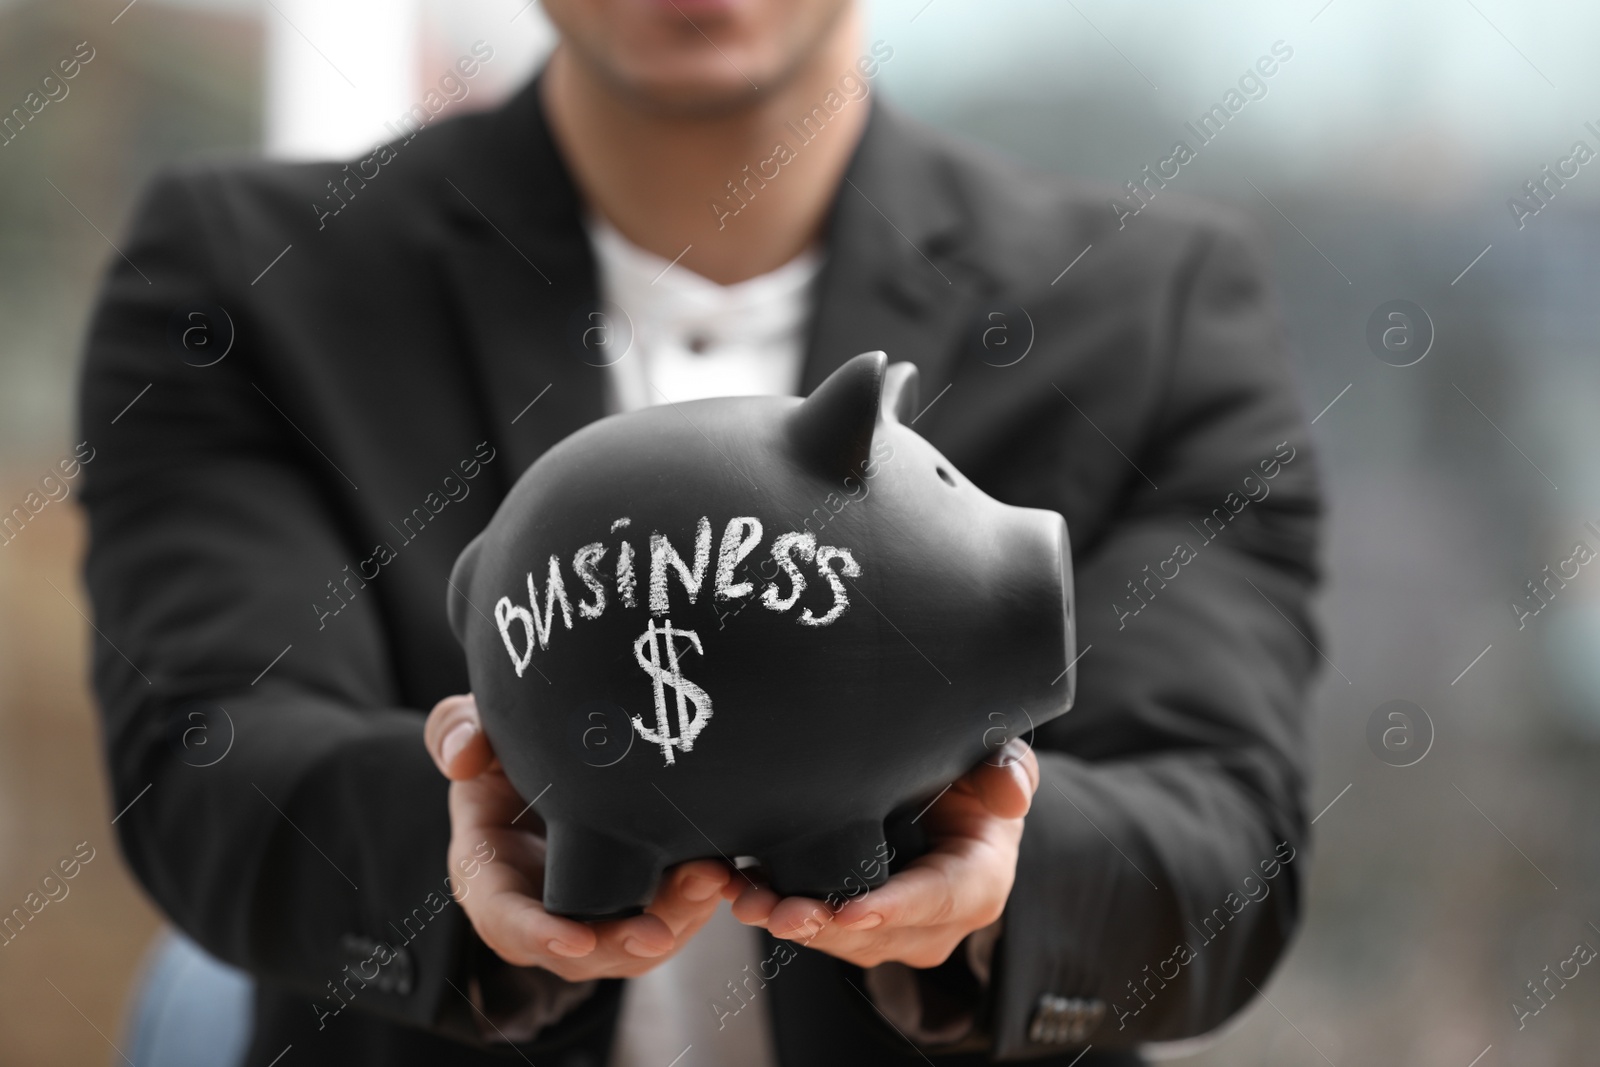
x=754, y=626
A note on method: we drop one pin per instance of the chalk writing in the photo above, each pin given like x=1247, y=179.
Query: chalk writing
x=689, y=727
x=663, y=555
x=525, y=629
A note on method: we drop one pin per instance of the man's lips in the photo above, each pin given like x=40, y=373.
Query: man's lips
x=696, y=7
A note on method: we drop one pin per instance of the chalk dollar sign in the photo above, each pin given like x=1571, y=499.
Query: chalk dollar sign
x=687, y=693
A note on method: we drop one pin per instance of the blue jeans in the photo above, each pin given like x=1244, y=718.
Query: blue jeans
x=191, y=1010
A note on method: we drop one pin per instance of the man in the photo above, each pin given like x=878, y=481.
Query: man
x=272, y=533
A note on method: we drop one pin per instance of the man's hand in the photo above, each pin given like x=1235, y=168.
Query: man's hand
x=503, y=902
x=921, y=914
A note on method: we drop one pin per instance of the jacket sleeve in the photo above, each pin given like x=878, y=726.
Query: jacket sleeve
x=280, y=805
x=1160, y=870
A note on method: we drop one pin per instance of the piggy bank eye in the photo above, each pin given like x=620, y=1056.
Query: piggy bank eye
x=945, y=476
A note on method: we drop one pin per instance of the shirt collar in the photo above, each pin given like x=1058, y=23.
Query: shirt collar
x=669, y=295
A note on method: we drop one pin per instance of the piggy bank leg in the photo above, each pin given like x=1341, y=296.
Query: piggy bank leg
x=846, y=860
x=590, y=875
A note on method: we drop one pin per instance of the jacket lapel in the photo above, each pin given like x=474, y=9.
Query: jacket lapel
x=523, y=277
x=894, y=279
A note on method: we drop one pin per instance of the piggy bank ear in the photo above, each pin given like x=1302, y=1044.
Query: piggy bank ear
x=833, y=427
x=456, y=604
x=900, y=392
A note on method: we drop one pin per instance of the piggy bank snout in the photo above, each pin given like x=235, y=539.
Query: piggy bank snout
x=1037, y=561
x=1036, y=543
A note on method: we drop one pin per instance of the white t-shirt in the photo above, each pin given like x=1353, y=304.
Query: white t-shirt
x=688, y=338
x=692, y=338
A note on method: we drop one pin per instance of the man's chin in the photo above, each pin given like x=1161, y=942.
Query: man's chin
x=691, y=90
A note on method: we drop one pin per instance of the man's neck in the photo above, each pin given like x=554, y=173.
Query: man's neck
x=718, y=186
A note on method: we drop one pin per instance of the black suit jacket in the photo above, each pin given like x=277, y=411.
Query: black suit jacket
x=271, y=535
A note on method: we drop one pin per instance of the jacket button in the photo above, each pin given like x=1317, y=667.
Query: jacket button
x=1062, y=1020
x=378, y=964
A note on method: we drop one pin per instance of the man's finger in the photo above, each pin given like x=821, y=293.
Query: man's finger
x=690, y=893
x=644, y=936
x=456, y=740
x=753, y=906
x=920, y=895
x=799, y=918
x=489, y=801
x=1006, y=785
x=515, y=925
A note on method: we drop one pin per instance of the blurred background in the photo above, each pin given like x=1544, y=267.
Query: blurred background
x=1385, y=159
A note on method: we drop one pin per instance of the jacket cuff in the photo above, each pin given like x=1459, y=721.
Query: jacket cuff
x=514, y=1004
x=1050, y=993
x=940, y=1006
x=409, y=952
